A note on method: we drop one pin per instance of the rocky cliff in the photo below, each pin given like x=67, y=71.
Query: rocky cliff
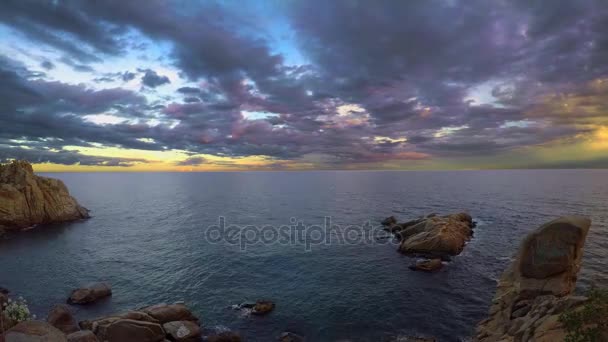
x=537, y=287
x=27, y=199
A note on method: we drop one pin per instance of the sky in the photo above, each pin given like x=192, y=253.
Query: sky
x=189, y=85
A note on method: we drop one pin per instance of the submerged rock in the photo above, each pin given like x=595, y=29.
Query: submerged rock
x=262, y=307
x=535, y=289
x=27, y=199
x=34, y=331
x=427, y=265
x=389, y=221
x=290, y=337
x=90, y=293
x=226, y=336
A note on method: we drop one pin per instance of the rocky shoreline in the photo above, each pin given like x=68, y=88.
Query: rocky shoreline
x=27, y=200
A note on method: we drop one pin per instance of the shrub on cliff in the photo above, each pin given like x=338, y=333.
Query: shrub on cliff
x=589, y=322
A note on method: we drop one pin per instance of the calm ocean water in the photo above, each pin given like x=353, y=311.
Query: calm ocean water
x=147, y=238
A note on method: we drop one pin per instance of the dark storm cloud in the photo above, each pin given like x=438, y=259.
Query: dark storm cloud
x=48, y=65
x=453, y=77
x=152, y=79
x=62, y=157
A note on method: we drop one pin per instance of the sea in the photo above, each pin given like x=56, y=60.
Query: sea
x=308, y=241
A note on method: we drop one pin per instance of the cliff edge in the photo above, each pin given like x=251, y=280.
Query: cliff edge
x=537, y=287
x=27, y=199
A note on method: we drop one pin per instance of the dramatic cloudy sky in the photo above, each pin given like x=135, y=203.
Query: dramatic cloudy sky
x=286, y=84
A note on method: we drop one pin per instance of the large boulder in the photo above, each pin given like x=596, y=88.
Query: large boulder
x=437, y=235
x=170, y=312
x=27, y=199
x=34, y=331
x=90, y=293
x=226, y=336
x=535, y=289
x=182, y=331
x=61, y=318
x=128, y=330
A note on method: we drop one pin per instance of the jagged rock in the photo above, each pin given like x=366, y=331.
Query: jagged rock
x=182, y=331
x=427, y=265
x=34, y=331
x=27, y=199
x=262, y=307
x=169, y=313
x=226, y=336
x=437, y=236
x=535, y=288
x=82, y=336
x=90, y=293
x=61, y=318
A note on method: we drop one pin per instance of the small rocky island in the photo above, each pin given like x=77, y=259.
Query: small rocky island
x=27, y=199
x=433, y=237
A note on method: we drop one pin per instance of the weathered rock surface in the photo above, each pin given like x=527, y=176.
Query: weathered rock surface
x=34, y=331
x=153, y=323
x=90, y=293
x=169, y=313
x=182, y=331
x=535, y=289
x=27, y=199
x=128, y=330
x=427, y=265
x=61, y=318
x=433, y=235
x=82, y=336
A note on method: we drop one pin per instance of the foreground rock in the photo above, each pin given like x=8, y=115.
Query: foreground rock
x=34, y=331
x=433, y=236
x=535, y=289
x=174, y=322
x=226, y=336
x=27, y=199
x=82, y=336
x=61, y=318
x=90, y=293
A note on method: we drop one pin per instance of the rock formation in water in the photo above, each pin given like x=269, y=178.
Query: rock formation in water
x=90, y=293
x=536, y=288
x=432, y=236
x=27, y=199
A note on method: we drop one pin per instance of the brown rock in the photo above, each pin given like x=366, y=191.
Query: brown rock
x=535, y=288
x=90, y=293
x=169, y=313
x=34, y=331
x=437, y=235
x=262, y=307
x=128, y=330
x=82, y=336
x=27, y=199
x=61, y=318
x=226, y=336
x=182, y=331
x=427, y=265
x=389, y=221
x=291, y=337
